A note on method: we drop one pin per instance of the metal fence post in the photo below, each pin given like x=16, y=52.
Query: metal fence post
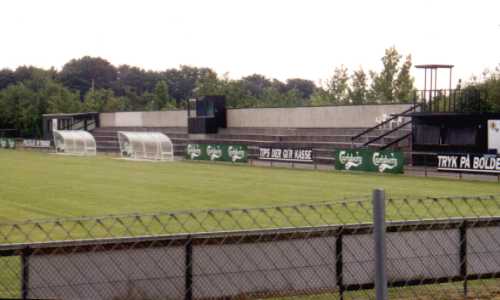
x=188, y=282
x=339, y=263
x=380, y=248
x=463, y=256
x=25, y=254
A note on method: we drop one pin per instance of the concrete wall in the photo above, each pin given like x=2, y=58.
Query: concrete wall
x=312, y=117
x=172, y=118
x=296, y=117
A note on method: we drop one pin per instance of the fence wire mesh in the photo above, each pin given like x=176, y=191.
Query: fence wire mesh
x=437, y=248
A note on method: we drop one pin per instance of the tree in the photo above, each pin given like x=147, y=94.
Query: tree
x=305, y=88
x=236, y=95
x=338, y=85
x=161, y=99
x=490, y=87
x=22, y=104
x=102, y=100
x=61, y=100
x=182, y=82
x=321, y=97
x=358, y=87
x=88, y=73
x=24, y=73
x=208, y=84
x=383, y=84
x=6, y=78
x=131, y=79
x=403, y=87
x=255, y=84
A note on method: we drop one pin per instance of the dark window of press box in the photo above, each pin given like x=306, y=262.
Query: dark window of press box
x=427, y=134
x=460, y=136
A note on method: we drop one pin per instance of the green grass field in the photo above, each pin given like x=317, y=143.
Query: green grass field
x=37, y=185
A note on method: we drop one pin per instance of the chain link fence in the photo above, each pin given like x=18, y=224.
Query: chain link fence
x=436, y=248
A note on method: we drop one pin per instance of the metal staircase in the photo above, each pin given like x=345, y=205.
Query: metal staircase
x=398, y=128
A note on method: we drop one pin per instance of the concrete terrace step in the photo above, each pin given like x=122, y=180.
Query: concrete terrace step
x=114, y=134
x=322, y=140
x=170, y=129
x=301, y=131
x=319, y=145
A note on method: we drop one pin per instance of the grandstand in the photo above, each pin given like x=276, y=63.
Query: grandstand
x=323, y=129
x=323, y=141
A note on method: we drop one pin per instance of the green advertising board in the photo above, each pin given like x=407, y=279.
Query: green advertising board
x=385, y=161
x=7, y=143
x=217, y=152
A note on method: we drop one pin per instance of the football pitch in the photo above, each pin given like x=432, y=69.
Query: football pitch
x=38, y=185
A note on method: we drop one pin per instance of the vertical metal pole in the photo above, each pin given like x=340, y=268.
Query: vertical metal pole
x=450, y=78
x=430, y=92
x=339, y=264
x=425, y=81
x=435, y=86
x=463, y=255
x=425, y=164
x=188, y=294
x=380, y=248
x=436, y=79
x=25, y=272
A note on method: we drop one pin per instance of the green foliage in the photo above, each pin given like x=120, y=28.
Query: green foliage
x=404, y=85
x=394, y=84
x=6, y=78
x=161, y=98
x=22, y=104
x=383, y=83
x=358, y=91
x=88, y=73
x=93, y=84
x=337, y=89
x=102, y=100
x=62, y=100
x=208, y=84
x=304, y=88
x=490, y=87
x=321, y=97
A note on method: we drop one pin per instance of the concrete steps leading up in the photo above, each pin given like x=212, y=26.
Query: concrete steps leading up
x=323, y=141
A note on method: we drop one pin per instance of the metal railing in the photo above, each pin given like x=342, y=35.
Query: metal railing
x=431, y=248
x=382, y=124
x=467, y=100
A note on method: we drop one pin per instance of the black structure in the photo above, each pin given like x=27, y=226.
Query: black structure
x=8, y=133
x=450, y=121
x=76, y=121
x=207, y=114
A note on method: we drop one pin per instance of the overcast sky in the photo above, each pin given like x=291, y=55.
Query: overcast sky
x=280, y=39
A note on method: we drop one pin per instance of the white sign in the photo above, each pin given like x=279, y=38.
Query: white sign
x=286, y=154
x=36, y=143
x=473, y=163
x=494, y=135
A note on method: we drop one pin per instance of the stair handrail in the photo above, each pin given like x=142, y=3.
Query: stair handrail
x=403, y=113
x=386, y=133
x=395, y=141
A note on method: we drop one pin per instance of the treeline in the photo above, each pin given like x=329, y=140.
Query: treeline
x=490, y=85
x=93, y=84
